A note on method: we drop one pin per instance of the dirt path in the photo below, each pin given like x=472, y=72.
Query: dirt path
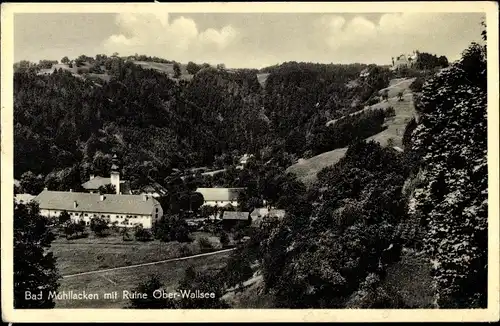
x=147, y=264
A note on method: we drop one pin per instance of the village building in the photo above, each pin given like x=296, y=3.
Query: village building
x=231, y=219
x=124, y=210
x=23, y=198
x=220, y=197
x=95, y=182
x=152, y=190
x=404, y=61
x=263, y=216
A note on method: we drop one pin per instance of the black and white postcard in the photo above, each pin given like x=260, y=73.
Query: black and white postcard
x=250, y=162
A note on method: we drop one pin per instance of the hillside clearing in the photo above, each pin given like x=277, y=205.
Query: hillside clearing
x=307, y=169
x=262, y=78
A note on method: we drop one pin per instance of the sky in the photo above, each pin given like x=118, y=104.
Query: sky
x=245, y=40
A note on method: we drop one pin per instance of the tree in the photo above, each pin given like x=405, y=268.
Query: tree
x=31, y=184
x=107, y=189
x=224, y=239
x=238, y=269
x=126, y=234
x=177, y=70
x=147, y=288
x=197, y=201
x=400, y=96
x=452, y=199
x=204, y=281
x=192, y=68
x=205, y=244
x=34, y=267
x=142, y=234
x=46, y=64
x=208, y=211
x=385, y=95
x=69, y=229
x=172, y=228
x=99, y=226
x=64, y=218
x=345, y=221
x=80, y=227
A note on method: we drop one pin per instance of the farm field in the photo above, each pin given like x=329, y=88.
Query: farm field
x=170, y=273
x=89, y=254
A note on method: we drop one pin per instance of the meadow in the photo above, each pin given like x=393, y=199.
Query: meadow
x=170, y=273
x=306, y=169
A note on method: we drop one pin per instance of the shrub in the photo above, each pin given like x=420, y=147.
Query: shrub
x=99, y=226
x=417, y=85
x=373, y=100
x=390, y=112
x=205, y=244
x=142, y=234
x=185, y=251
x=224, y=239
x=453, y=199
x=172, y=228
x=148, y=287
x=126, y=235
x=64, y=218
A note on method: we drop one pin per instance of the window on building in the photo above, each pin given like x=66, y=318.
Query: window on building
x=86, y=214
x=157, y=209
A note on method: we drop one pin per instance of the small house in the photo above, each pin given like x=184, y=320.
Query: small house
x=232, y=219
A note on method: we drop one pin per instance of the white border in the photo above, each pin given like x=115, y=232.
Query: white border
x=125, y=315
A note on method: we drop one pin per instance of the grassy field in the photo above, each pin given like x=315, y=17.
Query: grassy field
x=262, y=79
x=89, y=254
x=92, y=253
x=170, y=274
x=306, y=170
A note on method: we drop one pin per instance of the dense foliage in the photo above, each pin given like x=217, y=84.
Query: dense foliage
x=347, y=224
x=453, y=199
x=73, y=125
x=34, y=268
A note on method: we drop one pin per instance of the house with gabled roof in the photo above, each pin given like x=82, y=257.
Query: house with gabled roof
x=220, y=197
x=95, y=182
x=125, y=210
x=231, y=218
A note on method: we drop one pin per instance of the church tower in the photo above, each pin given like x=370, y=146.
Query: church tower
x=115, y=174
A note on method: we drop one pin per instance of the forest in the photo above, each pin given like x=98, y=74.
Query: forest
x=156, y=124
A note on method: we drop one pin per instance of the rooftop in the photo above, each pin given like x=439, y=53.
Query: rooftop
x=98, y=181
x=220, y=194
x=243, y=216
x=118, y=204
x=263, y=211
